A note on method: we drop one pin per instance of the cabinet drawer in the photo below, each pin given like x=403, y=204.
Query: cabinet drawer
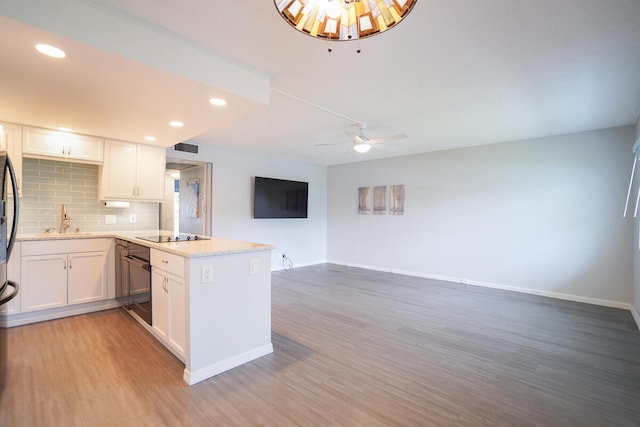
x=170, y=263
x=58, y=246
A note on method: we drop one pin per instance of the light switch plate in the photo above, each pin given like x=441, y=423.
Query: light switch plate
x=132, y=219
x=109, y=219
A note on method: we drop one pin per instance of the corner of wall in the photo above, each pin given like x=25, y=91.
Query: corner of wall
x=635, y=307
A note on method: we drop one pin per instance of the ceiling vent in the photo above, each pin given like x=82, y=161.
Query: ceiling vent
x=187, y=148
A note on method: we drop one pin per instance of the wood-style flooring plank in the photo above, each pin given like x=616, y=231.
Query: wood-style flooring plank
x=352, y=347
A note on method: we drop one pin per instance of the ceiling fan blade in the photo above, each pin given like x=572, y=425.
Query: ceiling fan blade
x=388, y=138
x=356, y=138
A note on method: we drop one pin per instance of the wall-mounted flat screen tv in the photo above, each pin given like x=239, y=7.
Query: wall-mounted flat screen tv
x=280, y=198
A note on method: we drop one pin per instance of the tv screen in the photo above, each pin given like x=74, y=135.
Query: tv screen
x=279, y=198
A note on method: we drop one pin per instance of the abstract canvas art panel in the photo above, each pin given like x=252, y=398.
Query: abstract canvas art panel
x=364, y=200
x=396, y=200
x=380, y=200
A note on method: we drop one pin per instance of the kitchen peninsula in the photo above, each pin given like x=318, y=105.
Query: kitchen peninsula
x=211, y=298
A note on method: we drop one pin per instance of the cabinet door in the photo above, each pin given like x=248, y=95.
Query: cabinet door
x=13, y=136
x=151, y=165
x=117, y=175
x=159, y=303
x=43, y=282
x=177, y=313
x=87, y=277
x=11, y=143
x=87, y=149
x=168, y=305
x=13, y=274
x=46, y=143
x=3, y=137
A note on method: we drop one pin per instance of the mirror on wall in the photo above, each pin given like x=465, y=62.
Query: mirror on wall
x=187, y=204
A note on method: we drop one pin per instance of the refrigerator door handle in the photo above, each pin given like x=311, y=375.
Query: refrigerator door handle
x=12, y=295
x=16, y=210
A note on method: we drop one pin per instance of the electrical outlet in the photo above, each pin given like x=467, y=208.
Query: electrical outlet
x=254, y=266
x=207, y=273
x=109, y=219
x=132, y=219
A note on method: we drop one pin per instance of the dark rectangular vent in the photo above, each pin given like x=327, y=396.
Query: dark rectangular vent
x=187, y=148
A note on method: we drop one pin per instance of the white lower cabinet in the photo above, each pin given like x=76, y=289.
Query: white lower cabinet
x=44, y=282
x=59, y=273
x=13, y=274
x=168, y=302
x=86, y=277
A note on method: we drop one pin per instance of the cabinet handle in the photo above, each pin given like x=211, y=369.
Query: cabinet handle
x=64, y=265
x=69, y=264
x=165, y=261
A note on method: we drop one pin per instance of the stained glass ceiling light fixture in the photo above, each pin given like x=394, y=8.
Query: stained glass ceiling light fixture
x=343, y=20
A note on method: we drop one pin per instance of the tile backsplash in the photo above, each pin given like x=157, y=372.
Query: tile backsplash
x=47, y=184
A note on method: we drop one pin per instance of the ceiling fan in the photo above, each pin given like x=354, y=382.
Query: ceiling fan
x=361, y=143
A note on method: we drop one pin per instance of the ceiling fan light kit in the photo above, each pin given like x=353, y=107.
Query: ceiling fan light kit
x=343, y=20
x=362, y=147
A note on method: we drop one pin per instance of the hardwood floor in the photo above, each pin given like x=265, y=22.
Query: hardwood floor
x=352, y=348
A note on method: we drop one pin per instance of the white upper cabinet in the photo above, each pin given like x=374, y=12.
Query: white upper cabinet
x=11, y=143
x=132, y=172
x=50, y=144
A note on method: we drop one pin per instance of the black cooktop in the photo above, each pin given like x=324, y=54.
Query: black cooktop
x=156, y=238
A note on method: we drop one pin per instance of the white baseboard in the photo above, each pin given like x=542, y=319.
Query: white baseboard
x=306, y=264
x=635, y=315
x=26, y=318
x=463, y=281
x=202, y=374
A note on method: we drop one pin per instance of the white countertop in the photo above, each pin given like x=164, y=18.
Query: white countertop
x=190, y=249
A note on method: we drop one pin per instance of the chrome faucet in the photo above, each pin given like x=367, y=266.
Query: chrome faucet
x=65, y=219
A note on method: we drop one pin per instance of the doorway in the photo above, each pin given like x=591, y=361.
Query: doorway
x=187, y=204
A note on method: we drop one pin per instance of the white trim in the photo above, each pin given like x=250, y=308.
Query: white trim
x=463, y=281
x=202, y=374
x=26, y=318
x=306, y=264
x=636, y=316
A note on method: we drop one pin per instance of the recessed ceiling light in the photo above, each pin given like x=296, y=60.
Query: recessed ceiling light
x=218, y=102
x=176, y=124
x=51, y=51
x=150, y=138
x=64, y=129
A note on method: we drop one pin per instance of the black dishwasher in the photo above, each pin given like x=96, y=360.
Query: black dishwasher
x=133, y=278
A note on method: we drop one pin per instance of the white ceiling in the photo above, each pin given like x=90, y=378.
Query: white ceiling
x=453, y=74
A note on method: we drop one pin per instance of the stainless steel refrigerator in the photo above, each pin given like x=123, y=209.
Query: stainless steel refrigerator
x=8, y=289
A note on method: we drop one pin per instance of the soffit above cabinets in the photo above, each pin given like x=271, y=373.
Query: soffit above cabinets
x=117, y=83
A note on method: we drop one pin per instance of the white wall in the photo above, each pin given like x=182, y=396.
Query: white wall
x=303, y=240
x=636, y=252
x=543, y=216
